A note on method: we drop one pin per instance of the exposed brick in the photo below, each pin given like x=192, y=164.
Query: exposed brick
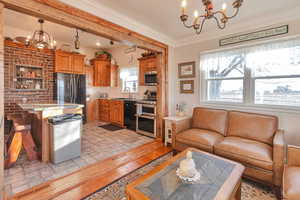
x=14, y=55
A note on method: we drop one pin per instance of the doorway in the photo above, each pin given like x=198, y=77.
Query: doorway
x=74, y=18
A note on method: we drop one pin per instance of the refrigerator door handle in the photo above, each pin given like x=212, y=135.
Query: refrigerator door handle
x=75, y=88
x=71, y=89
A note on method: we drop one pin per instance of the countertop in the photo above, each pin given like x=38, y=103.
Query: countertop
x=50, y=106
x=121, y=99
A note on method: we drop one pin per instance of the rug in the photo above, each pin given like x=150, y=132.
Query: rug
x=110, y=127
x=116, y=191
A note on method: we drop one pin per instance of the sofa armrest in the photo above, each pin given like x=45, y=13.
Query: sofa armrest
x=179, y=126
x=293, y=155
x=279, y=147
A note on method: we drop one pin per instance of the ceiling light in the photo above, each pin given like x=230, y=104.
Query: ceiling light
x=41, y=39
x=77, y=42
x=98, y=44
x=220, y=16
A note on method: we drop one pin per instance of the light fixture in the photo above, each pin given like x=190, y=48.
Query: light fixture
x=219, y=16
x=41, y=39
x=98, y=44
x=76, y=41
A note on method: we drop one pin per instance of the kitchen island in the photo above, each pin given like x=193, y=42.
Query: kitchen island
x=40, y=129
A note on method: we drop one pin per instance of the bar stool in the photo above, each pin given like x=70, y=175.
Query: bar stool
x=20, y=135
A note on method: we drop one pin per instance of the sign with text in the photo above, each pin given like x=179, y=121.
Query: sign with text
x=255, y=35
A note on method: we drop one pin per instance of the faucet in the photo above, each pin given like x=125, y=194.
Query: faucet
x=127, y=89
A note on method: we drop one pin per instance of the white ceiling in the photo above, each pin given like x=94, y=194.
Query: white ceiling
x=63, y=34
x=163, y=15
x=159, y=19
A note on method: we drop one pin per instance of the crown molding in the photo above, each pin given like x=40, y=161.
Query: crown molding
x=99, y=10
x=240, y=28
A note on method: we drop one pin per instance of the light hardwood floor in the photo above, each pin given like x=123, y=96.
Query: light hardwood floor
x=88, y=180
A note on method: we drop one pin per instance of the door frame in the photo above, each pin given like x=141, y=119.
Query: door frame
x=61, y=13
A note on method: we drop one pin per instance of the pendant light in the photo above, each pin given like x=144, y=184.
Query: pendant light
x=41, y=39
x=77, y=42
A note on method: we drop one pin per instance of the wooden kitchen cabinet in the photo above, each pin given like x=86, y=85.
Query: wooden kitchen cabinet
x=116, y=112
x=78, y=63
x=92, y=112
x=63, y=62
x=66, y=62
x=146, y=64
x=104, y=110
x=102, y=72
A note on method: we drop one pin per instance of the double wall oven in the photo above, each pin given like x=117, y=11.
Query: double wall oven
x=146, y=118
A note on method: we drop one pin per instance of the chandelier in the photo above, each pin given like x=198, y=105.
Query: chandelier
x=219, y=16
x=41, y=39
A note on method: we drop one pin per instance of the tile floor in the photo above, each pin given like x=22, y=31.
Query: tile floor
x=97, y=144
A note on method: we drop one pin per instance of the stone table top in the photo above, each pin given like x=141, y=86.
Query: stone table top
x=50, y=106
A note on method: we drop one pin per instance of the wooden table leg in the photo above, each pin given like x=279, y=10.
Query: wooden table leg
x=29, y=146
x=14, y=149
x=238, y=193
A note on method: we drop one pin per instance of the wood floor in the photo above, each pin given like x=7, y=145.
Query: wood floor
x=88, y=180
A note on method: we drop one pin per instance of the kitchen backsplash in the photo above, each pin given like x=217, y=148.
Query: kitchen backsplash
x=94, y=92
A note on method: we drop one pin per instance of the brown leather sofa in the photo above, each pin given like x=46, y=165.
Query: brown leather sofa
x=251, y=139
x=291, y=175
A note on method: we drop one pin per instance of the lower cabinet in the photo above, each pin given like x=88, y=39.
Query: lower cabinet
x=111, y=111
x=104, y=110
x=116, y=112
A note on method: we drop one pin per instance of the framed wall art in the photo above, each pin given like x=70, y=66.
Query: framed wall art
x=186, y=70
x=187, y=87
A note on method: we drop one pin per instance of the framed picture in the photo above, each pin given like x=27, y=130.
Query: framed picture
x=187, y=87
x=186, y=70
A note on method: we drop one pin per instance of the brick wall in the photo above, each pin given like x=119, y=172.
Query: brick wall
x=15, y=53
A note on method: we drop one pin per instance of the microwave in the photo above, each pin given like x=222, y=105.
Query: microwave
x=151, y=78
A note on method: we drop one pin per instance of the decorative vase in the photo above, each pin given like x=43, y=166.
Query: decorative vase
x=187, y=166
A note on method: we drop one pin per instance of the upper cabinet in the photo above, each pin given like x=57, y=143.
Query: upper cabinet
x=146, y=64
x=63, y=62
x=66, y=62
x=78, y=63
x=101, y=72
x=105, y=74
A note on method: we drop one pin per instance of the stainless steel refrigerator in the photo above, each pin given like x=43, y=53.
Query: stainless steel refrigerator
x=70, y=88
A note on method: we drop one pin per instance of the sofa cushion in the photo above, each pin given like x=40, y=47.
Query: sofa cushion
x=291, y=183
x=199, y=138
x=210, y=119
x=252, y=126
x=246, y=151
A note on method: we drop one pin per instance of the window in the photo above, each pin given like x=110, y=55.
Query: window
x=129, y=78
x=262, y=74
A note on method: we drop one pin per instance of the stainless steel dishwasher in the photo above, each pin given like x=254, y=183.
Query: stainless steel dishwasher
x=65, y=137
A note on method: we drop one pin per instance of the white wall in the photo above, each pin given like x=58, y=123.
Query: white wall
x=288, y=119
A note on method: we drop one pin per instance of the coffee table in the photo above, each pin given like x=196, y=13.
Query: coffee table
x=220, y=180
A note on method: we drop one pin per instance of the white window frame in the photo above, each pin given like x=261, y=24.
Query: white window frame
x=248, y=87
x=122, y=82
